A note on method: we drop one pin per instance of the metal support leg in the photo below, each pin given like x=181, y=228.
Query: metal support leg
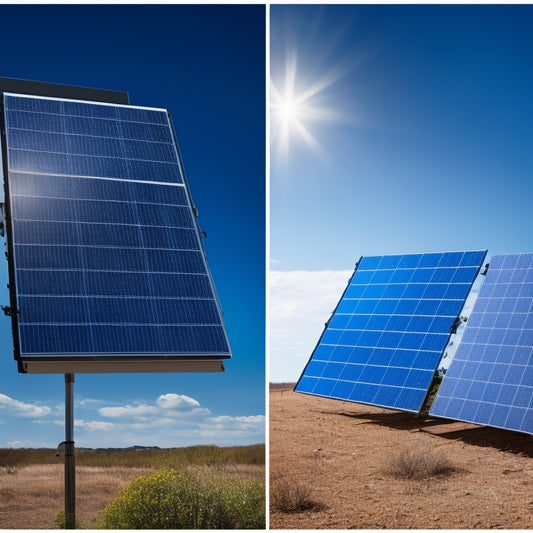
x=70, y=467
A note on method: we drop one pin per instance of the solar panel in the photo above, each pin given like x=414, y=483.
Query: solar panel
x=490, y=379
x=387, y=334
x=106, y=258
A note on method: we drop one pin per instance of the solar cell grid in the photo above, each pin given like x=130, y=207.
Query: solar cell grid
x=387, y=334
x=106, y=251
x=56, y=136
x=490, y=379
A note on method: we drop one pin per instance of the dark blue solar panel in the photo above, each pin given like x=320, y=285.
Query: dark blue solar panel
x=490, y=379
x=387, y=334
x=107, y=255
x=50, y=136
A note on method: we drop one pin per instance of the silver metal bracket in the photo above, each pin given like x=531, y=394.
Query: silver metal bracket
x=458, y=321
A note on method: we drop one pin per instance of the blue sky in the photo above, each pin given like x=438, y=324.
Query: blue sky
x=205, y=64
x=394, y=129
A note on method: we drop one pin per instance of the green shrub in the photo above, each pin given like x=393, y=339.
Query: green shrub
x=59, y=519
x=177, y=499
x=60, y=522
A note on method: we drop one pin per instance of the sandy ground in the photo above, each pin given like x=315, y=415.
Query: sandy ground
x=339, y=451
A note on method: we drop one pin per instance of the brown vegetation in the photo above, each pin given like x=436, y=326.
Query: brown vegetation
x=418, y=463
x=138, y=457
x=290, y=496
x=30, y=498
x=32, y=486
x=342, y=452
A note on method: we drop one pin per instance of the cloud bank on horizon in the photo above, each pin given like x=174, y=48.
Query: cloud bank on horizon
x=300, y=303
x=171, y=420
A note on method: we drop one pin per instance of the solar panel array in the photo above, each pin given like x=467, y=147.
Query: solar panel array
x=107, y=256
x=387, y=334
x=490, y=379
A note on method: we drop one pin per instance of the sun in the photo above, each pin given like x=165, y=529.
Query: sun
x=288, y=109
x=296, y=110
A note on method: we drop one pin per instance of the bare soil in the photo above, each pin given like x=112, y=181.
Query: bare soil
x=341, y=451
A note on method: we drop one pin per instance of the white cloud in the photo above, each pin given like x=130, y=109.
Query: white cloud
x=301, y=302
x=18, y=408
x=170, y=420
x=21, y=444
x=177, y=401
x=238, y=422
x=128, y=411
x=223, y=430
x=171, y=406
x=89, y=402
x=95, y=425
x=177, y=420
x=154, y=422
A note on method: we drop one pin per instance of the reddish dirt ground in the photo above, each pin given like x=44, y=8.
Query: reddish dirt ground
x=339, y=451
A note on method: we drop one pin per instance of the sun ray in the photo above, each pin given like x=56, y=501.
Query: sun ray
x=297, y=111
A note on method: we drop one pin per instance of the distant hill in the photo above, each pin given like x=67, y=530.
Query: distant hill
x=139, y=456
x=282, y=386
x=134, y=447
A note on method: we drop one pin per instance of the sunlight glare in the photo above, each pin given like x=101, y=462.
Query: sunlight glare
x=293, y=109
x=288, y=109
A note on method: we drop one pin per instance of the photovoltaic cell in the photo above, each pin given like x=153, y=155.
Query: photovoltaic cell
x=490, y=379
x=387, y=334
x=107, y=257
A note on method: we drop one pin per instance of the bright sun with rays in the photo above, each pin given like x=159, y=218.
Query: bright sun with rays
x=295, y=110
x=289, y=110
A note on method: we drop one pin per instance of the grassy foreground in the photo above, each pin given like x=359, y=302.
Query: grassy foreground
x=229, y=480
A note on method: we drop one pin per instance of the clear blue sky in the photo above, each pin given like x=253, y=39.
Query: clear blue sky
x=395, y=129
x=426, y=142
x=206, y=65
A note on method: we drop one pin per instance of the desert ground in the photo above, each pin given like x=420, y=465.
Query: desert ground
x=340, y=455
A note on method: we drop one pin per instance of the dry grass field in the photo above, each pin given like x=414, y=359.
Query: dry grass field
x=32, y=494
x=343, y=465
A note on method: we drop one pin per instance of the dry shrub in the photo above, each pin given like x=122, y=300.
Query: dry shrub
x=290, y=496
x=419, y=463
x=8, y=469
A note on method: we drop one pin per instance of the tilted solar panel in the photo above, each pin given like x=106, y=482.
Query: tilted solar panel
x=387, y=334
x=490, y=379
x=107, y=259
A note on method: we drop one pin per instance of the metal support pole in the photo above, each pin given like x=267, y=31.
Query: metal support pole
x=70, y=466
